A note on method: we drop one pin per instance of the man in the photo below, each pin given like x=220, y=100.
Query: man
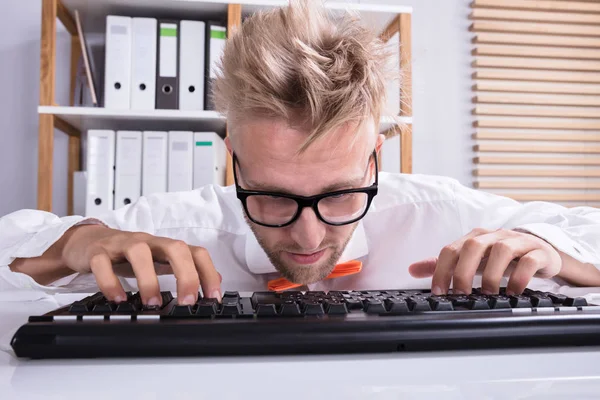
x=303, y=95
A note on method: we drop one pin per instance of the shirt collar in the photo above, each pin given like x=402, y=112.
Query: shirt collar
x=258, y=262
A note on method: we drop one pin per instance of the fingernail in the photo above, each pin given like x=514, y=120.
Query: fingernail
x=436, y=290
x=485, y=291
x=154, y=301
x=510, y=292
x=216, y=294
x=120, y=298
x=458, y=291
x=188, y=300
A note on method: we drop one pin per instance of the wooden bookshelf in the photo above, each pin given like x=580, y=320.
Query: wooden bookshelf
x=73, y=120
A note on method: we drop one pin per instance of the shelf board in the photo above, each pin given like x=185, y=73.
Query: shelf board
x=84, y=118
x=94, y=12
x=387, y=123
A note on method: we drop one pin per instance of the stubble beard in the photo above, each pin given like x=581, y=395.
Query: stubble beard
x=301, y=274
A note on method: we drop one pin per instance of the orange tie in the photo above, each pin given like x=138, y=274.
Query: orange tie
x=343, y=269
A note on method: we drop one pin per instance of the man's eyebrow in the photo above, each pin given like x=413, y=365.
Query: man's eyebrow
x=350, y=183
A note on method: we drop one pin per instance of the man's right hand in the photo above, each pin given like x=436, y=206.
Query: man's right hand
x=98, y=249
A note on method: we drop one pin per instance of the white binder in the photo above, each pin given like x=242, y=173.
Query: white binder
x=117, y=69
x=143, y=64
x=128, y=168
x=210, y=157
x=100, y=156
x=181, y=161
x=216, y=37
x=154, y=162
x=191, y=65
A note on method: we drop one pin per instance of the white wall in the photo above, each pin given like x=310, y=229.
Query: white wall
x=19, y=98
x=441, y=97
x=442, y=129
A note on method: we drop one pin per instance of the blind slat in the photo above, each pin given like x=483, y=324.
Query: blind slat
x=535, y=87
x=491, y=134
x=548, y=112
x=536, y=63
x=519, y=148
x=524, y=172
x=537, y=99
x=541, y=16
x=533, y=27
x=536, y=160
x=537, y=75
x=542, y=5
x=543, y=40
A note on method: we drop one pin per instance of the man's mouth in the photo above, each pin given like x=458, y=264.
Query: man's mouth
x=306, y=258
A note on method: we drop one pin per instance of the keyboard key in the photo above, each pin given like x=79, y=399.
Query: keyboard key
x=354, y=304
x=520, y=301
x=418, y=304
x=125, y=308
x=575, y=302
x=290, y=309
x=265, y=298
x=557, y=298
x=181, y=311
x=335, y=308
x=78, y=307
x=266, y=310
x=397, y=306
x=313, y=308
x=440, y=304
x=207, y=307
x=231, y=295
x=167, y=297
x=105, y=308
x=230, y=308
x=538, y=300
x=372, y=306
x=478, y=302
x=498, y=301
x=459, y=300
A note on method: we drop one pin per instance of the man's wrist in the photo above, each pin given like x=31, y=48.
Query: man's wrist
x=578, y=273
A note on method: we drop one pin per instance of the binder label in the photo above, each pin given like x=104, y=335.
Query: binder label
x=168, y=50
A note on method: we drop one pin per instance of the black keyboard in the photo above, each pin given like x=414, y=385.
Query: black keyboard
x=297, y=322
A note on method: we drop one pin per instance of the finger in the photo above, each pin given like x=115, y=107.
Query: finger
x=423, y=269
x=473, y=251
x=526, y=268
x=140, y=257
x=501, y=255
x=108, y=283
x=178, y=255
x=210, y=279
x=440, y=283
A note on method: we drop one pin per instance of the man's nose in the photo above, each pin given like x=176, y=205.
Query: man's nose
x=308, y=231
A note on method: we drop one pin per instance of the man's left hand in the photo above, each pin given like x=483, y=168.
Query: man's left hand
x=495, y=254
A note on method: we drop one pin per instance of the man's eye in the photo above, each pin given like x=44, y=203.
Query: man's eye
x=341, y=196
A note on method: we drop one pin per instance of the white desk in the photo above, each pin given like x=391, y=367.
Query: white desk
x=505, y=374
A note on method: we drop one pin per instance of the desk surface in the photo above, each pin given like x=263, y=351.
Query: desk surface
x=503, y=374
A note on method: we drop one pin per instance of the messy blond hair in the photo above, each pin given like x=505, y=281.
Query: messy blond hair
x=302, y=64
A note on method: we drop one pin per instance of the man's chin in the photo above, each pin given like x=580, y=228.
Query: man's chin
x=303, y=273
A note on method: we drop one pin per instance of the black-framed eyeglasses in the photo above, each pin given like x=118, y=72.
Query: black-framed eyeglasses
x=276, y=210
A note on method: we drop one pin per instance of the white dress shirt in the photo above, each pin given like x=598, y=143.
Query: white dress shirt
x=411, y=218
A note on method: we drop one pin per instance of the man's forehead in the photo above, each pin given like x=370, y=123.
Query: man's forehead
x=275, y=139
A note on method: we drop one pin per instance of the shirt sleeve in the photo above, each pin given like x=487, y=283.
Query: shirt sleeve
x=29, y=233
x=574, y=231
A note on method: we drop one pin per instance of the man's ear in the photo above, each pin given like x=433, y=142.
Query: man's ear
x=228, y=145
x=379, y=143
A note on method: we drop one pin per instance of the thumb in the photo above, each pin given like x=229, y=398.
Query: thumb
x=424, y=268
